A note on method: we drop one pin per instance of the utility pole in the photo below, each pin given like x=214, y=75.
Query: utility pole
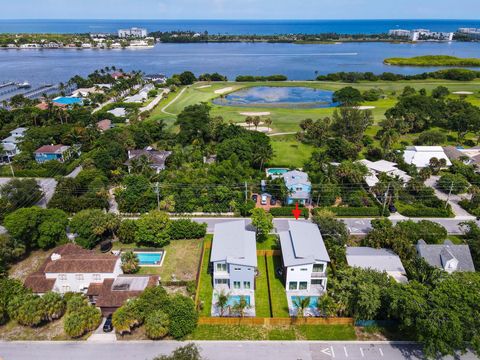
x=385, y=200
x=158, y=196
x=449, y=194
x=246, y=192
x=11, y=167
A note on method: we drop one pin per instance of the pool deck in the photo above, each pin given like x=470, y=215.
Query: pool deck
x=250, y=312
x=315, y=290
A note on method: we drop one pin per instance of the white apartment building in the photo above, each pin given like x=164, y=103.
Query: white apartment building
x=132, y=32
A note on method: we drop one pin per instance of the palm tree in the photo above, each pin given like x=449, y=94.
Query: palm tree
x=263, y=155
x=389, y=138
x=130, y=262
x=256, y=121
x=240, y=306
x=268, y=122
x=222, y=302
x=248, y=121
x=301, y=303
x=326, y=306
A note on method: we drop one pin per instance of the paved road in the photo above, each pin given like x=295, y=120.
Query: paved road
x=356, y=226
x=212, y=350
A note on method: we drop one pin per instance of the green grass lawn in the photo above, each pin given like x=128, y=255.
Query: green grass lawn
x=205, y=287
x=277, y=289
x=289, y=152
x=270, y=244
x=262, y=302
x=257, y=332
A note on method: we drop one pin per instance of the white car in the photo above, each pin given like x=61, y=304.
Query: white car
x=264, y=200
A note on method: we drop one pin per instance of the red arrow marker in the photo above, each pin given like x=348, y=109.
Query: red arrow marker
x=297, y=212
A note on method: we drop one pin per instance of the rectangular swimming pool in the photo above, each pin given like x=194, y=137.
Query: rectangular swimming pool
x=150, y=258
x=313, y=300
x=68, y=100
x=277, y=171
x=235, y=299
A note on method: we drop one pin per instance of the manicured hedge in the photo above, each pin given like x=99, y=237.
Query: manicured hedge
x=356, y=211
x=187, y=229
x=287, y=212
x=423, y=211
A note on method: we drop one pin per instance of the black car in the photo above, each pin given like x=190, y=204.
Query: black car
x=108, y=327
x=273, y=201
x=255, y=198
x=392, y=208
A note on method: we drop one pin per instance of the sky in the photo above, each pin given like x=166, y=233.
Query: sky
x=239, y=9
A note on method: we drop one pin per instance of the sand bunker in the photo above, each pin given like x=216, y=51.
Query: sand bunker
x=203, y=87
x=462, y=93
x=364, y=107
x=264, y=113
x=224, y=90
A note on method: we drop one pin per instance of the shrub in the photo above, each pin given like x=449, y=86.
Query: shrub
x=286, y=211
x=357, y=211
x=183, y=316
x=156, y=325
x=130, y=262
x=420, y=210
x=125, y=318
x=78, y=323
x=153, y=229
x=454, y=182
x=187, y=229
x=53, y=305
x=126, y=231
x=429, y=231
x=27, y=310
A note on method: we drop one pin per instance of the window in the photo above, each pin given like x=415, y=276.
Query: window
x=303, y=269
x=236, y=284
x=303, y=285
x=96, y=277
x=221, y=281
x=221, y=267
x=65, y=288
x=246, y=284
x=318, y=268
x=317, y=282
x=62, y=277
x=292, y=285
x=237, y=269
x=78, y=276
x=292, y=269
x=299, y=189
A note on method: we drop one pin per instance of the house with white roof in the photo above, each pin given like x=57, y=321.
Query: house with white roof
x=234, y=261
x=381, y=260
x=10, y=144
x=420, y=156
x=305, y=258
x=299, y=186
x=375, y=168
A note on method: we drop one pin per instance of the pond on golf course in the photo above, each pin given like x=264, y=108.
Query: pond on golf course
x=279, y=97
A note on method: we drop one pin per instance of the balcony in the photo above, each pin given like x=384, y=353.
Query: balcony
x=317, y=275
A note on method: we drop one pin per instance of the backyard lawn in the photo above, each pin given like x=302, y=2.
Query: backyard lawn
x=205, y=287
x=289, y=152
x=262, y=302
x=277, y=289
x=270, y=244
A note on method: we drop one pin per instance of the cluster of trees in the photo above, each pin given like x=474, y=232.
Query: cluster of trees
x=162, y=314
x=447, y=74
x=185, y=78
x=351, y=96
x=212, y=77
x=156, y=229
x=252, y=78
x=80, y=317
x=18, y=193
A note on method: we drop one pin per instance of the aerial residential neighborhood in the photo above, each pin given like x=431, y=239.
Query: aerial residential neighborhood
x=235, y=187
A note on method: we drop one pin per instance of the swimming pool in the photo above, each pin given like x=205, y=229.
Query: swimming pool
x=277, y=171
x=313, y=300
x=235, y=299
x=150, y=258
x=279, y=97
x=68, y=100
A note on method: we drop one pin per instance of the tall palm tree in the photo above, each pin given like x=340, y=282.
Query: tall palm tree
x=241, y=306
x=301, y=303
x=222, y=302
x=268, y=122
x=256, y=121
x=248, y=121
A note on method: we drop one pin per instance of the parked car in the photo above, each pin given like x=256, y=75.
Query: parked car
x=255, y=197
x=106, y=246
x=264, y=200
x=108, y=327
x=392, y=208
x=273, y=201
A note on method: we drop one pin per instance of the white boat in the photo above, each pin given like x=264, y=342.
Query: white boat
x=24, y=85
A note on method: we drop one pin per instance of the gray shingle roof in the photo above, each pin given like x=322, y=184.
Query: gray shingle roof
x=233, y=243
x=437, y=255
x=375, y=259
x=302, y=244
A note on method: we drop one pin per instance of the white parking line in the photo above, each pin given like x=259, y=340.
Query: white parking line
x=345, y=350
x=381, y=351
x=361, y=352
x=333, y=352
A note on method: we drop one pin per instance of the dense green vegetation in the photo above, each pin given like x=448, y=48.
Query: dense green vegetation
x=433, y=60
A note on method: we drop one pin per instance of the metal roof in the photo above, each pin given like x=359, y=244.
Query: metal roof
x=375, y=259
x=434, y=254
x=296, y=177
x=233, y=243
x=302, y=244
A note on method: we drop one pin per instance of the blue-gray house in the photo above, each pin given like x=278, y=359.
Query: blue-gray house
x=299, y=186
x=59, y=153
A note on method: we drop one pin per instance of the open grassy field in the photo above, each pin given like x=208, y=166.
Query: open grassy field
x=288, y=151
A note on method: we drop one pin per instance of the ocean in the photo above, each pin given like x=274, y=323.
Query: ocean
x=233, y=26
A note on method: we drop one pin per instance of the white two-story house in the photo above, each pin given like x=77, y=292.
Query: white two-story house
x=305, y=259
x=70, y=268
x=234, y=257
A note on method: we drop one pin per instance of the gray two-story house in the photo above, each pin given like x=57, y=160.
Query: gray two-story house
x=234, y=257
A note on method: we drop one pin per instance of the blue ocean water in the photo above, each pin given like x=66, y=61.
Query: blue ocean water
x=232, y=26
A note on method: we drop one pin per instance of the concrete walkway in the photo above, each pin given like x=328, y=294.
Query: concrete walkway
x=460, y=213
x=155, y=101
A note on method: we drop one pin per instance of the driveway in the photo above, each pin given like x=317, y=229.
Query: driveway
x=460, y=213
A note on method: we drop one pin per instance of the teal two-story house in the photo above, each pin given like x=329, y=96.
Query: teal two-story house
x=300, y=188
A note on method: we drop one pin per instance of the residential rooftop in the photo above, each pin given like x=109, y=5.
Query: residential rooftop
x=441, y=256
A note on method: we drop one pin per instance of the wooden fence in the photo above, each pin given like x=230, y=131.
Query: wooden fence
x=274, y=321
